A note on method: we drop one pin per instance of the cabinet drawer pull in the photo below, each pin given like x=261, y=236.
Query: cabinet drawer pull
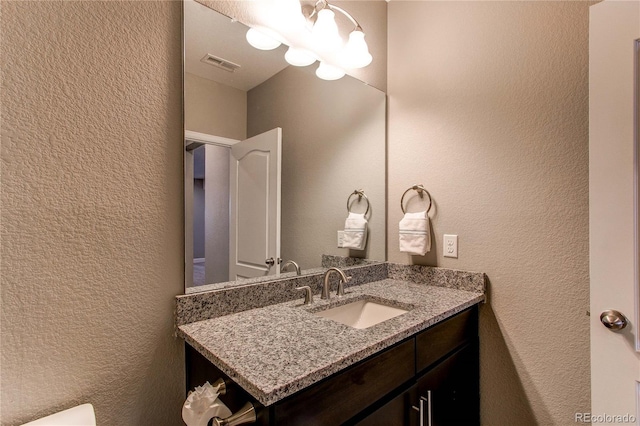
x=424, y=400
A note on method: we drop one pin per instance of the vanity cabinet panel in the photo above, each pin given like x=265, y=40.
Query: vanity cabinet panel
x=453, y=387
x=447, y=371
x=441, y=339
x=398, y=411
x=342, y=396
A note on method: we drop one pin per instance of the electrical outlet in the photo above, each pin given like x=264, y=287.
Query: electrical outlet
x=450, y=245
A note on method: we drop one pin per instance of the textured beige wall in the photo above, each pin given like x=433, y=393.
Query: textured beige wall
x=214, y=108
x=333, y=142
x=488, y=108
x=92, y=245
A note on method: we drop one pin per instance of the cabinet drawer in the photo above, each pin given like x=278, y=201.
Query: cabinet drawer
x=439, y=340
x=344, y=395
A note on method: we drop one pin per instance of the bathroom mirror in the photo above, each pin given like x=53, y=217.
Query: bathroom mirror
x=332, y=143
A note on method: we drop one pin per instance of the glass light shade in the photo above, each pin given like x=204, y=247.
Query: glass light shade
x=260, y=40
x=299, y=57
x=289, y=14
x=325, y=30
x=329, y=72
x=356, y=52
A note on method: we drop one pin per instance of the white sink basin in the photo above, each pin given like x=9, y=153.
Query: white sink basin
x=361, y=313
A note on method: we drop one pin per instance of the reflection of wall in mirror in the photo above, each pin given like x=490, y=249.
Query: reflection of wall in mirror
x=214, y=108
x=210, y=214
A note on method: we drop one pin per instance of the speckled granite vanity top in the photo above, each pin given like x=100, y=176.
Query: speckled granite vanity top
x=276, y=350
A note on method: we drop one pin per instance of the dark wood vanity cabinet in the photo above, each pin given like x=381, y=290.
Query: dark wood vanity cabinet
x=449, y=394
x=446, y=379
x=438, y=366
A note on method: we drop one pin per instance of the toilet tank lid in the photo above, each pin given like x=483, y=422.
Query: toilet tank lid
x=82, y=415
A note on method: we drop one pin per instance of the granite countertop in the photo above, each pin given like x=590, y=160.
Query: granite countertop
x=277, y=350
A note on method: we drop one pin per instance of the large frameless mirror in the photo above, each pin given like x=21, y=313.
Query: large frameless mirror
x=272, y=155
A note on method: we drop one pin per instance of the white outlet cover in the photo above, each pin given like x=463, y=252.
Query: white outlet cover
x=450, y=246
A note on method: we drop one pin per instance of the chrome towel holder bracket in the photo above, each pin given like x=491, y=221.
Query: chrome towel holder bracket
x=360, y=193
x=420, y=189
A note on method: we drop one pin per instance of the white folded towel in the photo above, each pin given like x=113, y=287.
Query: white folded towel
x=354, y=235
x=415, y=237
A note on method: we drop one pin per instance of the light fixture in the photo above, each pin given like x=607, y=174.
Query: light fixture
x=325, y=30
x=299, y=57
x=356, y=52
x=329, y=72
x=287, y=15
x=322, y=43
x=260, y=40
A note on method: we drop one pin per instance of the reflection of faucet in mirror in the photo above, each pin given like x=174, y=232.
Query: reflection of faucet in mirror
x=325, y=286
x=290, y=262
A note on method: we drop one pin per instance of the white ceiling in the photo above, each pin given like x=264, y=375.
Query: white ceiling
x=207, y=31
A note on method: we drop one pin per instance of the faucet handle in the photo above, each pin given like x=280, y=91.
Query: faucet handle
x=308, y=296
x=340, y=291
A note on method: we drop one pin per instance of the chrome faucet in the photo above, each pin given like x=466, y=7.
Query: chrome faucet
x=290, y=262
x=325, y=287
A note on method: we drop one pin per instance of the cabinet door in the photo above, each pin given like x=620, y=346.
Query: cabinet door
x=397, y=412
x=451, y=390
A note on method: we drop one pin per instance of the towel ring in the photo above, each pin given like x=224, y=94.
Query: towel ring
x=360, y=193
x=420, y=189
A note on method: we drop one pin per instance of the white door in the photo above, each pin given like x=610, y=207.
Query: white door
x=254, y=235
x=613, y=209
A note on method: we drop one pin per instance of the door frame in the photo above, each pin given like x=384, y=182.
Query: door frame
x=614, y=205
x=193, y=140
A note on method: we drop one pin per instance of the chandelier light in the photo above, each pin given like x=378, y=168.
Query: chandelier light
x=322, y=43
x=299, y=57
x=329, y=72
x=260, y=40
x=325, y=30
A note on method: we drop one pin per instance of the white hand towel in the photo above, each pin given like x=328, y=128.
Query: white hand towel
x=415, y=236
x=354, y=235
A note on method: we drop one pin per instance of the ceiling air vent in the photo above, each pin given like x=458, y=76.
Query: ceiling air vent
x=219, y=62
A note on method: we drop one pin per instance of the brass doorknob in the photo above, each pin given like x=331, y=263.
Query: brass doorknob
x=613, y=320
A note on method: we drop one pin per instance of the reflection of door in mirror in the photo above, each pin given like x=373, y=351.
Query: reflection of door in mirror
x=254, y=225
x=235, y=206
x=207, y=174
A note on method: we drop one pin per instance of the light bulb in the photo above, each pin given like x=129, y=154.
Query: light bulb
x=329, y=72
x=325, y=30
x=299, y=57
x=356, y=52
x=260, y=40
